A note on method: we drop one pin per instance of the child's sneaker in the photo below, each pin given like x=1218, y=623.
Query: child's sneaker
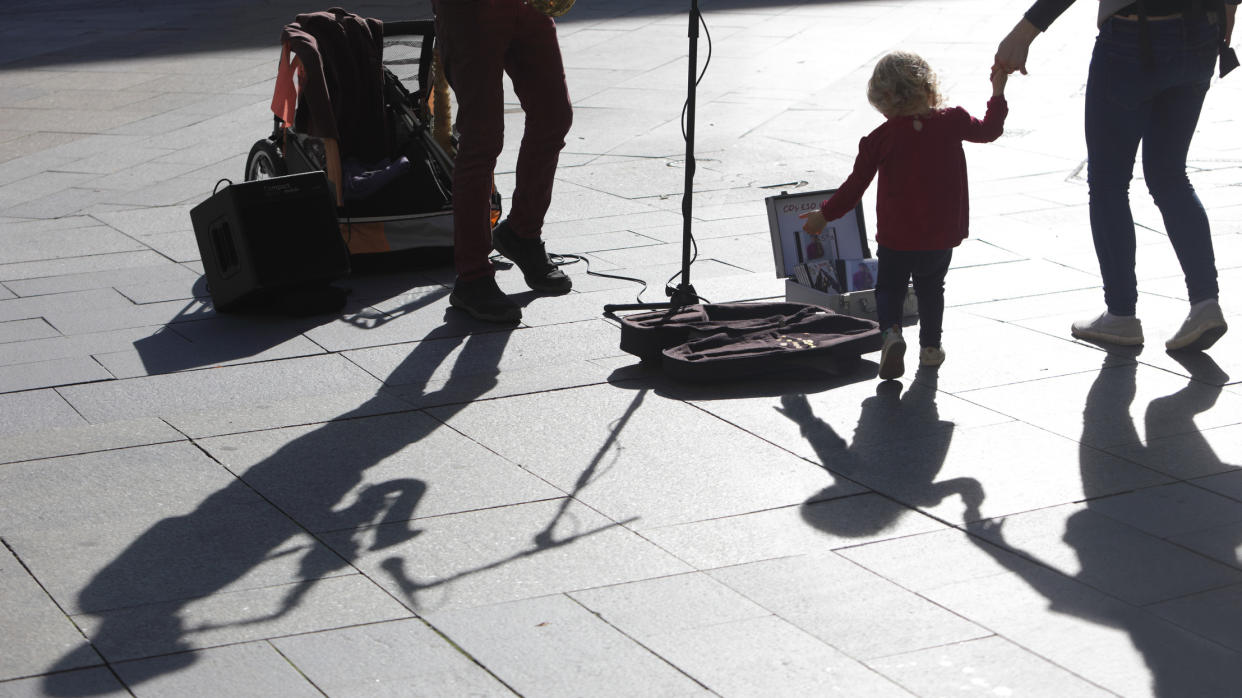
x=1115, y=329
x=931, y=356
x=1203, y=326
x=892, y=355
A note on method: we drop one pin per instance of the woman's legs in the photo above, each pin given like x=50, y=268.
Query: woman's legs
x=1156, y=102
x=1173, y=118
x=1117, y=112
x=1159, y=105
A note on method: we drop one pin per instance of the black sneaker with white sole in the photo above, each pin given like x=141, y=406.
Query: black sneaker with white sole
x=531, y=257
x=484, y=300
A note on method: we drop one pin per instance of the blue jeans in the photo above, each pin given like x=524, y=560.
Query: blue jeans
x=927, y=268
x=1158, y=106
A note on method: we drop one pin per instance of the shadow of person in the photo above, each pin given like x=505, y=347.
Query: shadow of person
x=139, y=597
x=1181, y=663
x=898, y=449
x=1172, y=443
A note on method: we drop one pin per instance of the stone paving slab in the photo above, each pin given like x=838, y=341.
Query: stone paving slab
x=990, y=664
x=39, y=633
x=23, y=330
x=23, y=308
x=710, y=631
x=554, y=647
x=397, y=658
x=97, y=681
x=43, y=374
x=858, y=612
x=123, y=279
x=250, y=669
x=60, y=274
x=90, y=438
x=224, y=389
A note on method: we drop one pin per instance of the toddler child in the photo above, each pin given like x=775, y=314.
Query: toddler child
x=922, y=207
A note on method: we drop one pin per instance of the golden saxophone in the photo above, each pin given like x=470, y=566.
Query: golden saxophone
x=551, y=8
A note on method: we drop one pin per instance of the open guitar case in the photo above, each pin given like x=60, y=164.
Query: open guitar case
x=722, y=341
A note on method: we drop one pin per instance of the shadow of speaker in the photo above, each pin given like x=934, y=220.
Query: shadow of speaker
x=266, y=243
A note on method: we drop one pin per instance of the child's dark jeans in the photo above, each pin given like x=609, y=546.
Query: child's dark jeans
x=928, y=269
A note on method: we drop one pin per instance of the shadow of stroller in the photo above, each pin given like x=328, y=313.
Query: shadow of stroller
x=1181, y=662
x=198, y=336
x=550, y=537
x=897, y=450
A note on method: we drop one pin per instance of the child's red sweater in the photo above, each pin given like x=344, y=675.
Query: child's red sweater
x=923, y=201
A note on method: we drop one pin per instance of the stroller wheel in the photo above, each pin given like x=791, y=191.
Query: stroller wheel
x=265, y=162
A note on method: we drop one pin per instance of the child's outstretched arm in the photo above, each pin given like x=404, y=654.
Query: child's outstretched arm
x=847, y=197
x=993, y=124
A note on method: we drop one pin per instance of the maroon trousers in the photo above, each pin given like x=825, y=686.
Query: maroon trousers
x=480, y=41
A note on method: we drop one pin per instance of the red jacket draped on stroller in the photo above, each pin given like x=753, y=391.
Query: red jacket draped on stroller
x=342, y=81
x=340, y=106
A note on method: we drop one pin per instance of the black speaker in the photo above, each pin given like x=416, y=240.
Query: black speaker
x=269, y=237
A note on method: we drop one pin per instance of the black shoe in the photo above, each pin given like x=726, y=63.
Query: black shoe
x=529, y=255
x=484, y=300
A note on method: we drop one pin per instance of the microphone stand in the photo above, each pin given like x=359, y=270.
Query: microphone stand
x=683, y=294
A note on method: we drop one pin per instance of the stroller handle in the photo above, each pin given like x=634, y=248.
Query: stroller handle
x=411, y=27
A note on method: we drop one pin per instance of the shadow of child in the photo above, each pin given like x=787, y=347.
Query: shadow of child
x=898, y=449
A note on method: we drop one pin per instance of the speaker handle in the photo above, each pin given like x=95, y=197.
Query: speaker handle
x=223, y=244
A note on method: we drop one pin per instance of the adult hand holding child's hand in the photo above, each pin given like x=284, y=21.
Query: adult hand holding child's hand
x=999, y=78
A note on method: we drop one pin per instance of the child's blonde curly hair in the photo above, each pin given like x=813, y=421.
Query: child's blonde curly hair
x=903, y=84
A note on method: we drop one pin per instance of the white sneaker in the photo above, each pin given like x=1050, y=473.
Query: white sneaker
x=1203, y=326
x=1115, y=329
x=892, y=355
x=931, y=356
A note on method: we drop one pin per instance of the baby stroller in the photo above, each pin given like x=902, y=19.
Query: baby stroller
x=357, y=99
